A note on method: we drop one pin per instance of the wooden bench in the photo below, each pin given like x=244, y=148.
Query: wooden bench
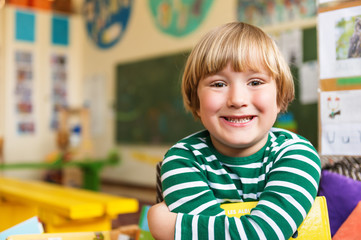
x=61, y=209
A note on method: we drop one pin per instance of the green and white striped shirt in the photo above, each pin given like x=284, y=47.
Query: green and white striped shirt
x=283, y=176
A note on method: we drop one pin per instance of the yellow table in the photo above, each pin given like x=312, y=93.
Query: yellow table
x=61, y=209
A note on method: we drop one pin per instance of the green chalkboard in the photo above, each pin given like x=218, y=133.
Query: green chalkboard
x=149, y=106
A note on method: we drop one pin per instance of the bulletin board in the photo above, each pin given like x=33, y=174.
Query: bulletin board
x=149, y=105
x=339, y=38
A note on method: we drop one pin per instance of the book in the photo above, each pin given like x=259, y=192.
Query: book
x=29, y=226
x=316, y=225
x=143, y=224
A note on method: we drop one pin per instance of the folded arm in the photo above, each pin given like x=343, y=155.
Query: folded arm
x=161, y=221
x=283, y=204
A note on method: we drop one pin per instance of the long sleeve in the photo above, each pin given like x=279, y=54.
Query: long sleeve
x=283, y=177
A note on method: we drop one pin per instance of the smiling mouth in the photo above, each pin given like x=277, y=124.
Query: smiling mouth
x=238, y=120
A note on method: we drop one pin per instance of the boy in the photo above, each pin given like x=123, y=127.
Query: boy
x=236, y=82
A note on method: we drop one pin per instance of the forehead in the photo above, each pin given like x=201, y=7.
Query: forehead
x=244, y=48
x=244, y=62
x=249, y=71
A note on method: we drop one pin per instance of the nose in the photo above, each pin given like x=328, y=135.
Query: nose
x=237, y=96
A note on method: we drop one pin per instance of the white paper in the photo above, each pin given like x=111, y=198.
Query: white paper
x=309, y=82
x=334, y=62
x=95, y=100
x=290, y=44
x=326, y=1
x=340, y=113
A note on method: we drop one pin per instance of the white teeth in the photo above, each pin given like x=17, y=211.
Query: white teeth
x=239, y=120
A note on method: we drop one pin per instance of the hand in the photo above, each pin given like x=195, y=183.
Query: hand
x=161, y=221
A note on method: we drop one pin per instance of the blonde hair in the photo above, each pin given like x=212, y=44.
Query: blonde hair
x=245, y=47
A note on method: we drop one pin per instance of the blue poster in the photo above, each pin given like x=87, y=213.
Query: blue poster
x=106, y=20
x=60, y=30
x=24, y=26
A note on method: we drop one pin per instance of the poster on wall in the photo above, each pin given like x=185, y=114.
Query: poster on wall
x=25, y=26
x=59, y=75
x=179, y=18
x=264, y=13
x=24, y=92
x=340, y=35
x=106, y=21
x=60, y=30
x=340, y=119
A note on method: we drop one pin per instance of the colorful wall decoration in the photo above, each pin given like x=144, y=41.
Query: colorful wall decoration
x=106, y=20
x=24, y=92
x=59, y=92
x=348, y=30
x=270, y=12
x=179, y=17
x=340, y=55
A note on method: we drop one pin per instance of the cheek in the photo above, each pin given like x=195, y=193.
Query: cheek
x=266, y=101
x=209, y=103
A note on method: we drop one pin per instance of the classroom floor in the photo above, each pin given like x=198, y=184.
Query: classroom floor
x=145, y=196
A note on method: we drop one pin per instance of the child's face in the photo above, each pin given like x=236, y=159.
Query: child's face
x=238, y=109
